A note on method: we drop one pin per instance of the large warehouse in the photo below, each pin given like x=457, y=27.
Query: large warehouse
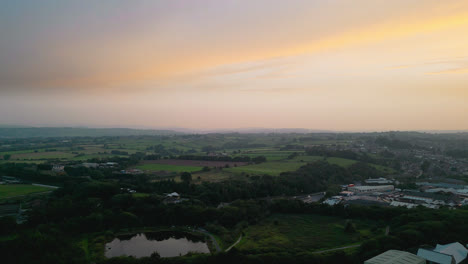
x=396, y=257
x=364, y=189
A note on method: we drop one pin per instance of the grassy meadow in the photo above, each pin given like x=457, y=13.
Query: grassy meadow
x=270, y=154
x=12, y=190
x=341, y=162
x=272, y=168
x=168, y=167
x=303, y=233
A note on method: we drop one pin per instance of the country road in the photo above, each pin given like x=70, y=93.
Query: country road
x=334, y=249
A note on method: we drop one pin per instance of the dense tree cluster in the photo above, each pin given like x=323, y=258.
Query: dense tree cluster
x=94, y=207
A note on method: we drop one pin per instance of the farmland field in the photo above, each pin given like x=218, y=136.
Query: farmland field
x=302, y=233
x=273, y=168
x=196, y=163
x=213, y=176
x=42, y=155
x=92, y=156
x=341, y=162
x=23, y=161
x=270, y=155
x=7, y=191
x=332, y=160
x=174, y=165
x=168, y=167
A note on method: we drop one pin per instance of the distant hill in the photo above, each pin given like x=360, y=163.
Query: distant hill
x=261, y=131
x=27, y=132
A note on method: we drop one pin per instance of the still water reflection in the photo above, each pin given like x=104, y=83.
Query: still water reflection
x=167, y=244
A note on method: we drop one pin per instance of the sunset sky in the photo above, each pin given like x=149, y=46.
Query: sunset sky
x=356, y=65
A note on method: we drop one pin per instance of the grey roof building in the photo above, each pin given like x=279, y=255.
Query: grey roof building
x=395, y=257
x=452, y=253
x=435, y=257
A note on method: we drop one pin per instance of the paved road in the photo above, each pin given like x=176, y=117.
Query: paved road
x=235, y=243
x=215, y=243
x=335, y=249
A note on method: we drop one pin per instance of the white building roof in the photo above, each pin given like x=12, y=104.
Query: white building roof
x=434, y=256
x=395, y=257
x=365, y=188
x=407, y=205
x=332, y=201
x=457, y=250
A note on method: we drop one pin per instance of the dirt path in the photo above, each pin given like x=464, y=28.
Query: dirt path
x=235, y=243
x=335, y=249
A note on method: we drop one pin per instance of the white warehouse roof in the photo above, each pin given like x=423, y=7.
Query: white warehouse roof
x=395, y=257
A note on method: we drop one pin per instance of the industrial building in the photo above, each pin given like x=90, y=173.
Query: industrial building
x=396, y=257
x=378, y=181
x=364, y=189
x=453, y=253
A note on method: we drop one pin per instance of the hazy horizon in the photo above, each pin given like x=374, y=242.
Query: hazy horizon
x=211, y=65
x=234, y=129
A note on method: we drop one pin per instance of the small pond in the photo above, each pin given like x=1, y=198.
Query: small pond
x=167, y=244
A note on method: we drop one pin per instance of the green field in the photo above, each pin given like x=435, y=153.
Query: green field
x=166, y=167
x=43, y=155
x=270, y=155
x=332, y=160
x=213, y=176
x=302, y=233
x=273, y=168
x=341, y=162
x=12, y=190
x=92, y=156
x=22, y=161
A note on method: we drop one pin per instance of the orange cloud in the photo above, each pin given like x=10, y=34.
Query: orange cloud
x=361, y=36
x=450, y=71
x=131, y=61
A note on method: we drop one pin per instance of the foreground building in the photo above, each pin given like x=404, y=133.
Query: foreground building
x=396, y=257
x=453, y=253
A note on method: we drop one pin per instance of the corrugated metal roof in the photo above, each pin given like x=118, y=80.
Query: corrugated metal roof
x=396, y=257
x=434, y=256
x=457, y=250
